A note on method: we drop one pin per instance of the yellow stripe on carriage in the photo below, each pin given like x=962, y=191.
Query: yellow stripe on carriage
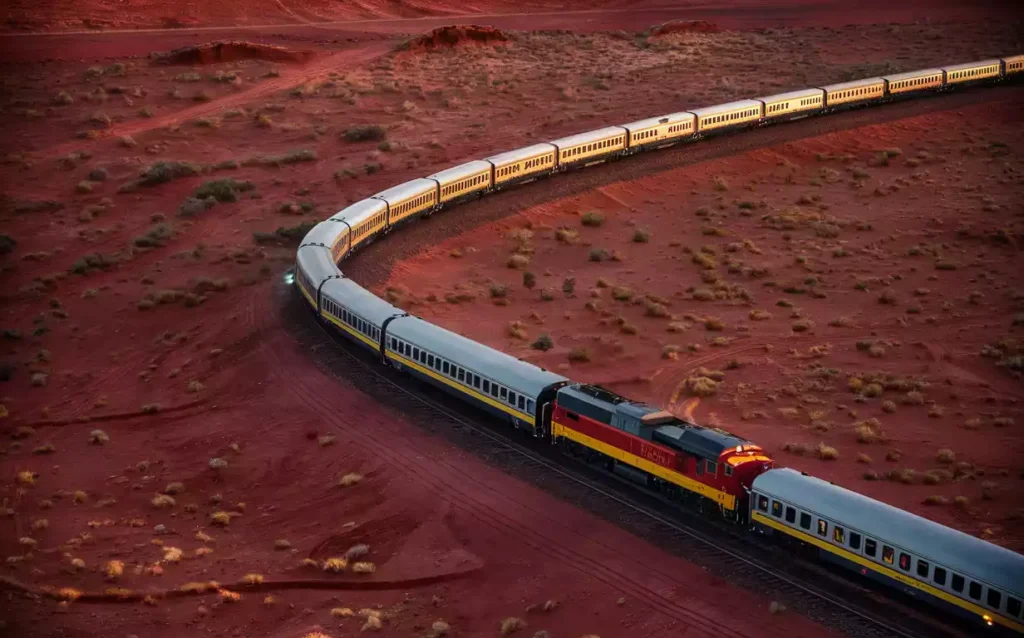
x=462, y=388
x=305, y=294
x=728, y=501
x=886, y=571
x=352, y=331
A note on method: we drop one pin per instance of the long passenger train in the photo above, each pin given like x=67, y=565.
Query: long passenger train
x=712, y=468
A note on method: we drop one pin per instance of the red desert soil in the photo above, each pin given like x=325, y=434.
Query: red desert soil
x=856, y=293
x=148, y=214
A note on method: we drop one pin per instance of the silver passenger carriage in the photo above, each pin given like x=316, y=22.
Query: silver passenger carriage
x=591, y=146
x=657, y=130
x=313, y=266
x=358, y=313
x=792, y=103
x=727, y=115
x=365, y=219
x=963, y=574
x=408, y=199
x=522, y=164
x=920, y=80
x=463, y=180
x=854, y=92
x=501, y=384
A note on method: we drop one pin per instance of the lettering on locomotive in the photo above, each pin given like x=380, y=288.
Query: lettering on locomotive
x=656, y=455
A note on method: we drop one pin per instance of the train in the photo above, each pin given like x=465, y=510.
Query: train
x=706, y=467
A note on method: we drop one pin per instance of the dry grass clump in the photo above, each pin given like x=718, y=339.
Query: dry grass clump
x=511, y=625
x=350, y=479
x=888, y=406
x=704, y=260
x=98, y=437
x=579, y=355
x=364, y=567
x=759, y=315
x=163, y=501
x=357, y=551
x=863, y=458
x=567, y=235
x=113, y=569
x=827, y=453
x=798, y=449
x=701, y=386
x=936, y=411
x=803, y=325
x=373, y=623
x=220, y=518
x=543, y=343
x=936, y=499
x=592, y=219
x=906, y=476
x=342, y=612
x=962, y=501
x=870, y=475
x=945, y=456
x=913, y=398
x=518, y=261
x=335, y=564
x=714, y=324
x=868, y=431
x=517, y=330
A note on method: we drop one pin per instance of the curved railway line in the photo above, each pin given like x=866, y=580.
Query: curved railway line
x=833, y=602
x=812, y=590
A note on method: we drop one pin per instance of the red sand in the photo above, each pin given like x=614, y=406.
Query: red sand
x=949, y=190
x=109, y=355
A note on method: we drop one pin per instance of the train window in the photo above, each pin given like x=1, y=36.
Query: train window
x=994, y=598
x=494, y=391
x=888, y=554
x=460, y=374
x=487, y=386
x=762, y=503
x=700, y=468
x=870, y=547
x=776, y=509
x=529, y=406
x=939, y=575
x=416, y=353
x=974, y=590
x=957, y=583
x=712, y=468
x=922, y=568
x=444, y=367
x=805, y=520
x=430, y=360
x=905, y=561
x=822, y=528
x=1012, y=606
x=476, y=381
x=854, y=540
x=521, y=402
x=790, y=515
x=839, y=535
x=511, y=398
x=728, y=470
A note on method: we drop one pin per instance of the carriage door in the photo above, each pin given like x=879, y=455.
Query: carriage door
x=544, y=419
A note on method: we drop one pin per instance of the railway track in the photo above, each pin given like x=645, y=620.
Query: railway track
x=724, y=551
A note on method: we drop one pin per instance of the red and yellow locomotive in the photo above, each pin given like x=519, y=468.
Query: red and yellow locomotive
x=683, y=460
